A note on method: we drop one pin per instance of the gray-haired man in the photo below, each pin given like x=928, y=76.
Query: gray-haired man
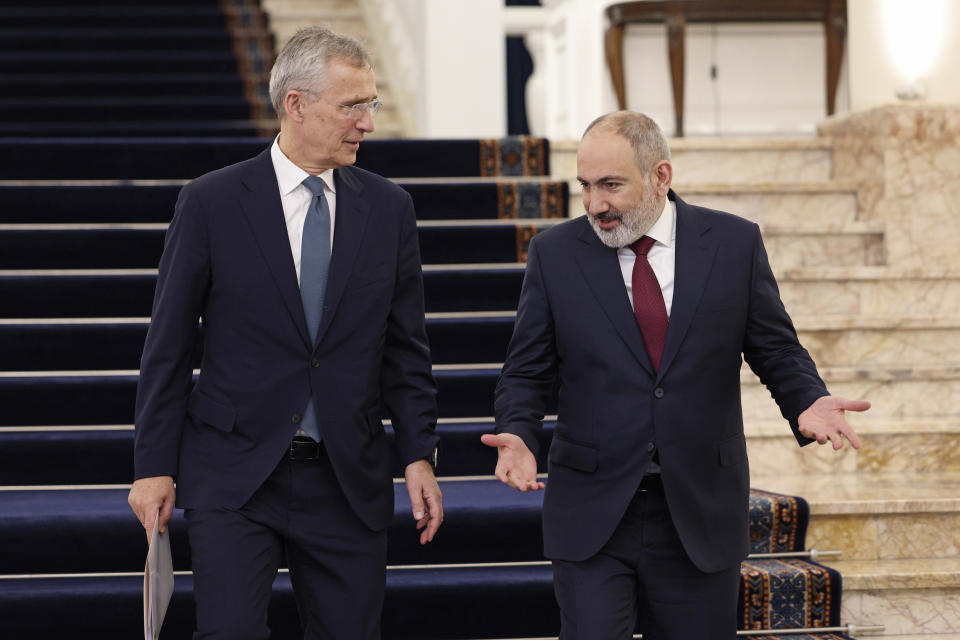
x=306, y=273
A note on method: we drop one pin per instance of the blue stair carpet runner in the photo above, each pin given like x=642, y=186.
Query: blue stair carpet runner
x=52, y=158
x=153, y=203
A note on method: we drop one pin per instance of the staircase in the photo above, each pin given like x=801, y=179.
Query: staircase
x=81, y=225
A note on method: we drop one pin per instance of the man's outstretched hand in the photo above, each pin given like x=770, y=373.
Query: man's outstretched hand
x=825, y=420
x=516, y=466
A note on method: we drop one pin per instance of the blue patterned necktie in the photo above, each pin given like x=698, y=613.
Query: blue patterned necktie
x=314, y=266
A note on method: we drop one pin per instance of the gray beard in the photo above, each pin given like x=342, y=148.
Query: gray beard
x=633, y=225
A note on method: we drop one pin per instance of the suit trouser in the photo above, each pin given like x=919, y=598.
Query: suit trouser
x=642, y=579
x=337, y=565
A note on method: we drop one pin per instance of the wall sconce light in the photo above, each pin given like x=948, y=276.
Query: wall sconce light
x=914, y=31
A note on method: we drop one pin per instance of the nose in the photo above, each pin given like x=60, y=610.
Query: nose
x=365, y=123
x=594, y=204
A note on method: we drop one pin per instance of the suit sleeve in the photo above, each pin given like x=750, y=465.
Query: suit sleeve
x=407, y=387
x=772, y=349
x=167, y=363
x=527, y=381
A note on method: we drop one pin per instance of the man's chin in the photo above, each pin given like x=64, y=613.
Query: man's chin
x=614, y=236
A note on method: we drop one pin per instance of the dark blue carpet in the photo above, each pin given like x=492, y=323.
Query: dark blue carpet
x=104, y=454
x=129, y=158
x=105, y=295
x=138, y=203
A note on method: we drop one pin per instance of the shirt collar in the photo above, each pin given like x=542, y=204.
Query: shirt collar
x=289, y=175
x=664, y=230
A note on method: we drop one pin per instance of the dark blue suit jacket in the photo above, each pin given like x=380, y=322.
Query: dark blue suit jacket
x=575, y=324
x=227, y=259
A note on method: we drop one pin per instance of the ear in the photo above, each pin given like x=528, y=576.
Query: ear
x=661, y=177
x=293, y=104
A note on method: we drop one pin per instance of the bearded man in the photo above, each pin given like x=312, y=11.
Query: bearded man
x=643, y=311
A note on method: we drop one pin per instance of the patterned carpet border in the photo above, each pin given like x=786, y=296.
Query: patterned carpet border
x=778, y=523
x=513, y=156
x=516, y=200
x=788, y=594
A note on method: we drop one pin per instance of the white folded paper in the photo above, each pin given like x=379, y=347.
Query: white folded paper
x=157, y=582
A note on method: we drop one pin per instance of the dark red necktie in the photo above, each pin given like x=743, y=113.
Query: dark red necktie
x=648, y=305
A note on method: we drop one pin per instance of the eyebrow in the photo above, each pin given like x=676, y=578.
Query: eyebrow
x=603, y=179
x=357, y=99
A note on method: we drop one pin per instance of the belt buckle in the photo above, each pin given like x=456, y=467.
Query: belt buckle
x=650, y=482
x=304, y=450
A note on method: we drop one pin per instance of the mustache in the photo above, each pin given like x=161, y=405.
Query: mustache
x=607, y=216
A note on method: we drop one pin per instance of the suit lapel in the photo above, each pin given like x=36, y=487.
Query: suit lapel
x=600, y=267
x=694, y=257
x=264, y=213
x=348, y=228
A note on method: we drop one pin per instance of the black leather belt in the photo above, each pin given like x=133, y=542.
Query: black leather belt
x=303, y=449
x=651, y=482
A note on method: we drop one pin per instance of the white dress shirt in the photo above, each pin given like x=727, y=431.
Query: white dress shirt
x=295, y=198
x=662, y=255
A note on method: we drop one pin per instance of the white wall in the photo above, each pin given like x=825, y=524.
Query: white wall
x=875, y=72
x=461, y=51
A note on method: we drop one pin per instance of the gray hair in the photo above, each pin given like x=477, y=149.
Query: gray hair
x=302, y=61
x=644, y=135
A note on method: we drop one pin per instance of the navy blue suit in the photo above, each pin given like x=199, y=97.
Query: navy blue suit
x=575, y=325
x=228, y=261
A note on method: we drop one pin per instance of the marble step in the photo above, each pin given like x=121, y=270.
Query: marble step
x=900, y=538
x=736, y=160
x=787, y=204
x=900, y=515
x=887, y=446
x=870, y=291
x=851, y=244
x=897, y=392
x=905, y=596
x=880, y=340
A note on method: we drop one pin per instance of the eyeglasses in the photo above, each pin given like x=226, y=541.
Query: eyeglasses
x=355, y=111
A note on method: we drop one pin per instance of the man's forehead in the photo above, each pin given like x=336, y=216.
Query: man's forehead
x=600, y=156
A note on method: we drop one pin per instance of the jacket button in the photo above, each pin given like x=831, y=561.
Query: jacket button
x=315, y=363
x=296, y=418
x=651, y=446
x=658, y=392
